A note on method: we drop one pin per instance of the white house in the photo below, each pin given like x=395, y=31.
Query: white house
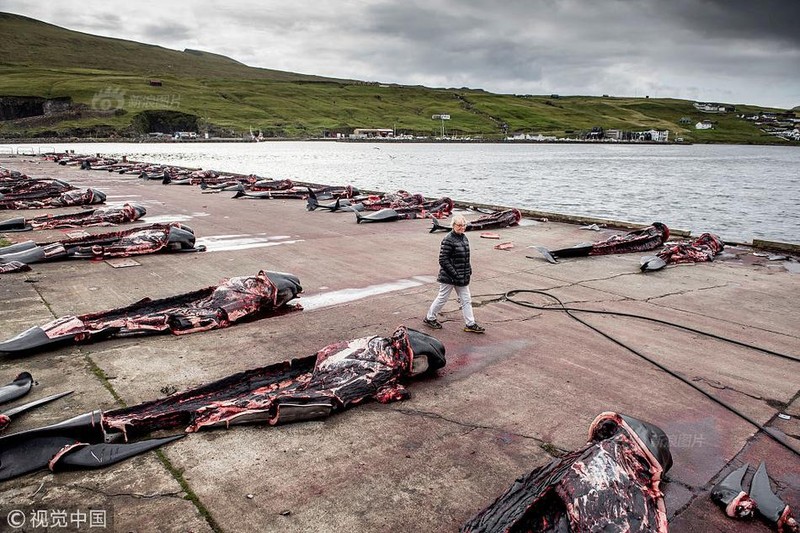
x=711, y=107
x=661, y=136
x=704, y=125
x=364, y=133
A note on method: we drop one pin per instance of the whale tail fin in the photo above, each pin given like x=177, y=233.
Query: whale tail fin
x=768, y=503
x=93, y=456
x=239, y=191
x=729, y=494
x=546, y=254
x=438, y=226
x=583, y=249
x=77, y=443
x=311, y=202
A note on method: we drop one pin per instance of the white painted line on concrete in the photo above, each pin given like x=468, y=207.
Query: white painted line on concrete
x=220, y=243
x=161, y=219
x=327, y=299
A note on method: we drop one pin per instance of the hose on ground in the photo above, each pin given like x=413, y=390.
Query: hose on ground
x=508, y=296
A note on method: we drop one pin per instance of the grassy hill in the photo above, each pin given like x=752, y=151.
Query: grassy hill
x=58, y=82
x=32, y=43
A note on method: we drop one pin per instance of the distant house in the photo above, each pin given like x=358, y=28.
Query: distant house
x=364, y=133
x=596, y=133
x=711, y=107
x=660, y=136
x=530, y=137
x=704, y=125
x=685, y=120
x=155, y=83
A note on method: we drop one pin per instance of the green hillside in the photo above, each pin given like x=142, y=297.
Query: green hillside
x=61, y=83
x=32, y=43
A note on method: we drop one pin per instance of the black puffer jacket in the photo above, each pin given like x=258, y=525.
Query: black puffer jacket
x=454, y=260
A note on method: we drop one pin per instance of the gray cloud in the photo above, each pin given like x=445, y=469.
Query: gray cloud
x=766, y=20
x=724, y=50
x=160, y=31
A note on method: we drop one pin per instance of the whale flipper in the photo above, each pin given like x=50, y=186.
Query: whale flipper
x=16, y=389
x=651, y=263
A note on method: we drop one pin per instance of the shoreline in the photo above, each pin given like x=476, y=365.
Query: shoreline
x=376, y=140
x=221, y=140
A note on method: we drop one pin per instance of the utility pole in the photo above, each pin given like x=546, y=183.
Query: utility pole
x=442, y=118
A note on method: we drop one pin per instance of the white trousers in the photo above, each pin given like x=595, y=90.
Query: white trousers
x=463, y=296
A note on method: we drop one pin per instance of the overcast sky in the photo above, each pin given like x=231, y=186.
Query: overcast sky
x=731, y=51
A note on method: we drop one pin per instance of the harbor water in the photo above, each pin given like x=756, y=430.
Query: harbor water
x=739, y=192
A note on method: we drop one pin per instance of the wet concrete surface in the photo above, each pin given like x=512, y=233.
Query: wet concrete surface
x=506, y=402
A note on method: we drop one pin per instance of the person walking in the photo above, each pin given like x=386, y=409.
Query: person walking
x=454, y=274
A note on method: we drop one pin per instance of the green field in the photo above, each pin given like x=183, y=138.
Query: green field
x=107, y=82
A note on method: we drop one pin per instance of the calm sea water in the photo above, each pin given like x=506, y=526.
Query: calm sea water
x=738, y=192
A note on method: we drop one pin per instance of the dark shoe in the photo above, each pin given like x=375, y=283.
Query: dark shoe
x=432, y=323
x=474, y=328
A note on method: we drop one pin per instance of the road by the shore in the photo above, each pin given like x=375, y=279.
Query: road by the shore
x=506, y=402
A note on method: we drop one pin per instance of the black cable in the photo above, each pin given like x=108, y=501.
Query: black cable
x=769, y=431
x=641, y=317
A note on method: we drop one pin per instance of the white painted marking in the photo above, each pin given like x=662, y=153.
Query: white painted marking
x=219, y=243
x=327, y=299
x=167, y=218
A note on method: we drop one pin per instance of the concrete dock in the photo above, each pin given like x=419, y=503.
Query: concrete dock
x=507, y=401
